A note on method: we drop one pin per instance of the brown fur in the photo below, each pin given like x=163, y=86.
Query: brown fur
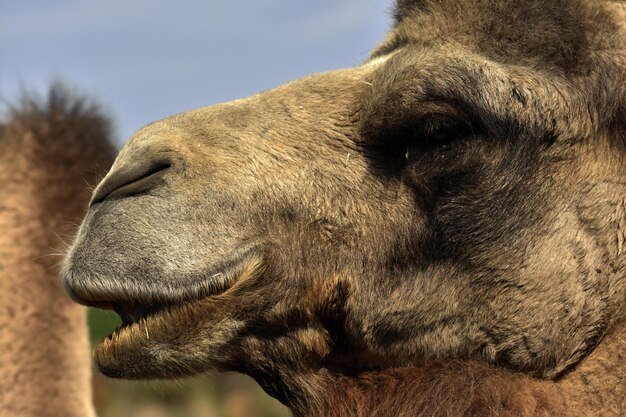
x=439, y=230
x=596, y=387
x=49, y=153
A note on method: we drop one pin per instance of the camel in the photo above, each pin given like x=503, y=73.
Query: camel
x=49, y=152
x=439, y=231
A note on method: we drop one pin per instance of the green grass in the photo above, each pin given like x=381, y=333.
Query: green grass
x=101, y=324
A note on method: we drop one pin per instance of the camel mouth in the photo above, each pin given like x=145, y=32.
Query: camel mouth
x=132, y=313
x=149, y=320
x=146, y=324
x=158, y=328
x=137, y=317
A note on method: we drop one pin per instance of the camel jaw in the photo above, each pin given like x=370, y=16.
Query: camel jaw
x=144, y=348
x=167, y=340
x=146, y=329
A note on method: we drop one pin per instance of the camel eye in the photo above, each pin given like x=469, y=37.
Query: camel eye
x=397, y=141
x=443, y=135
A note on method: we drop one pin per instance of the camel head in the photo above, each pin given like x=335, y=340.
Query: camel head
x=459, y=195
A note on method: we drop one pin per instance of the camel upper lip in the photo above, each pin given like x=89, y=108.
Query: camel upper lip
x=132, y=309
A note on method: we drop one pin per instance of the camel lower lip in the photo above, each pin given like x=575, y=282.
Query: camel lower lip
x=136, y=347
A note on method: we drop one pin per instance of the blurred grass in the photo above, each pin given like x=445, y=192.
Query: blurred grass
x=101, y=324
x=214, y=395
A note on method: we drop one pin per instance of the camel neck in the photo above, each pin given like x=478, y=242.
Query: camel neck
x=595, y=387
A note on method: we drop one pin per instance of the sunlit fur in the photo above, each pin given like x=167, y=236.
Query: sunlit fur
x=455, y=203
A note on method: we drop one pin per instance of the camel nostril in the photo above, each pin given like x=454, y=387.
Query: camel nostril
x=126, y=183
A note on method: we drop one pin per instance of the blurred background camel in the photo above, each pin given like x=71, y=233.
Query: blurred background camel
x=51, y=152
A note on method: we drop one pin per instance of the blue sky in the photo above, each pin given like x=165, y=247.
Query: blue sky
x=147, y=59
